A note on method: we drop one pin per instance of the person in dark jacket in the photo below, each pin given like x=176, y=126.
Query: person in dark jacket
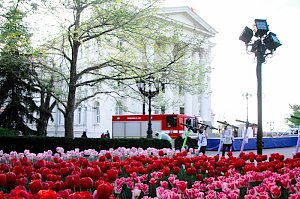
x=84, y=134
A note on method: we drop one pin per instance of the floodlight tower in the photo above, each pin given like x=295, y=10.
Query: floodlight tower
x=264, y=44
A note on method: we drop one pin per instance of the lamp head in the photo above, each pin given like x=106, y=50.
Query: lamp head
x=271, y=41
x=261, y=27
x=246, y=35
x=140, y=84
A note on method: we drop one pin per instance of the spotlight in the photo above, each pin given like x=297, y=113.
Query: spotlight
x=271, y=41
x=246, y=35
x=261, y=27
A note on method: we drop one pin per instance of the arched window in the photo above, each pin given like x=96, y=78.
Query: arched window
x=97, y=112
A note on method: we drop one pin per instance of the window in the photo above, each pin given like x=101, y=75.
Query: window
x=181, y=110
x=171, y=121
x=97, y=112
x=180, y=90
x=59, y=117
x=79, y=115
x=118, y=110
x=156, y=111
x=163, y=109
x=120, y=43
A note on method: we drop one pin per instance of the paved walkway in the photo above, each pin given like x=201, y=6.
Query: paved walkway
x=287, y=152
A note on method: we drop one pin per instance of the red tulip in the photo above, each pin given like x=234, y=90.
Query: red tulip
x=35, y=186
x=58, y=185
x=203, y=170
x=229, y=153
x=239, y=163
x=191, y=171
x=161, y=153
x=112, y=175
x=35, y=176
x=20, y=193
x=1, y=195
x=86, y=183
x=39, y=164
x=108, y=155
x=65, y=194
x=11, y=178
x=166, y=171
x=21, y=181
x=104, y=190
x=47, y=194
x=18, y=170
x=72, y=182
x=96, y=172
x=176, y=170
x=45, y=172
x=81, y=195
x=2, y=180
x=197, y=165
x=199, y=177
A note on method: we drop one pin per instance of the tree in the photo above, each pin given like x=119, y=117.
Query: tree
x=17, y=88
x=294, y=122
x=19, y=83
x=123, y=38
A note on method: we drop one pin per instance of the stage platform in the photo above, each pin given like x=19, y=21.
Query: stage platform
x=268, y=143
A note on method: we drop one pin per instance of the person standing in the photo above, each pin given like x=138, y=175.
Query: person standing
x=84, y=134
x=202, y=140
x=107, y=135
x=227, y=138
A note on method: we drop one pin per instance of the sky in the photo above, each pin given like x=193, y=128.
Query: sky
x=234, y=70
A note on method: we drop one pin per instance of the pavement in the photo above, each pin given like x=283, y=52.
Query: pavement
x=286, y=151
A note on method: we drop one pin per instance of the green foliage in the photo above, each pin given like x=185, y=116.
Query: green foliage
x=294, y=122
x=6, y=132
x=17, y=83
x=14, y=33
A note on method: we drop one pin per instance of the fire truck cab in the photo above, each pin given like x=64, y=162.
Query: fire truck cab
x=133, y=126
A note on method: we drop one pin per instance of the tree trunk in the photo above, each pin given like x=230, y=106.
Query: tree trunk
x=42, y=126
x=69, y=117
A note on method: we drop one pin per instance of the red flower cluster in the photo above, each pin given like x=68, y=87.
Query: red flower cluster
x=181, y=175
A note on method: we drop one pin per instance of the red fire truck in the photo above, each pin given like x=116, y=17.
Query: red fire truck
x=133, y=126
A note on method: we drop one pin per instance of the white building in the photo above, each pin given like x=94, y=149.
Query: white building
x=95, y=115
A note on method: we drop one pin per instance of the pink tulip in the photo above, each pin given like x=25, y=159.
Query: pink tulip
x=164, y=184
x=275, y=191
x=135, y=193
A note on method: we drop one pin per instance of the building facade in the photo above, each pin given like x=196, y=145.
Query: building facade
x=95, y=115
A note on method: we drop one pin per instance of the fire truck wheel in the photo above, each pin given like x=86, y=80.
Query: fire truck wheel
x=178, y=143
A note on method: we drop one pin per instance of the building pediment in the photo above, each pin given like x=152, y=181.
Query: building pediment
x=188, y=19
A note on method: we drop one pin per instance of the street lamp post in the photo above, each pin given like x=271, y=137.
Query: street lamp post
x=149, y=89
x=247, y=95
x=265, y=44
x=271, y=128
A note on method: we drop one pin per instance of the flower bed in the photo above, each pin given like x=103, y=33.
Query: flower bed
x=137, y=173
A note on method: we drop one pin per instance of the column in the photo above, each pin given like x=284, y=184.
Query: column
x=205, y=100
x=188, y=98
